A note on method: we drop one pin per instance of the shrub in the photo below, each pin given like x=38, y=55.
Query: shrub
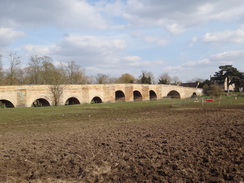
x=212, y=90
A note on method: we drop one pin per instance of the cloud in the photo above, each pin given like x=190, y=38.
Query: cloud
x=175, y=28
x=233, y=57
x=236, y=36
x=189, y=65
x=38, y=49
x=205, y=9
x=60, y=13
x=132, y=58
x=207, y=66
x=86, y=50
x=200, y=62
x=151, y=39
x=96, y=54
x=225, y=10
x=91, y=48
x=178, y=16
x=94, y=42
x=156, y=40
x=229, y=57
x=175, y=16
x=137, y=62
x=8, y=35
x=193, y=41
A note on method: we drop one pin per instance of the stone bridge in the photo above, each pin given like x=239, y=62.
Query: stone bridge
x=43, y=95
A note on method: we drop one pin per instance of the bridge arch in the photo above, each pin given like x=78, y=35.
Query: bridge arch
x=72, y=101
x=119, y=96
x=41, y=102
x=152, y=95
x=96, y=100
x=137, y=95
x=194, y=94
x=6, y=104
x=174, y=94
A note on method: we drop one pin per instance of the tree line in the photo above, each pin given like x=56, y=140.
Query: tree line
x=41, y=70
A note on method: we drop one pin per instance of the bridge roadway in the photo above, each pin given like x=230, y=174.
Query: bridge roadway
x=42, y=95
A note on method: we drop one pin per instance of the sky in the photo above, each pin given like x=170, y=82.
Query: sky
x=188, y=39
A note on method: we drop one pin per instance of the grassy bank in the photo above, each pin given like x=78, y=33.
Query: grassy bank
x=44, y=114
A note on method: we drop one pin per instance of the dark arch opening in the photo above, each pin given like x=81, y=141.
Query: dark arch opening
x=6, y=104
x=153, y=95
x=119, y=96
x=41, y=102
x=174, y=94
x=137, y=96
x=72, y=101
x=96, y=100
x=194, y=95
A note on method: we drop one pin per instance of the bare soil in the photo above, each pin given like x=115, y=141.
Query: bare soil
x=147, y=144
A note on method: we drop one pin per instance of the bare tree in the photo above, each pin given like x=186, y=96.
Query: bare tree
x=74, y=73
x=164, y=79
x=57, y=91
x=102, y=79
x=51, y=74
x=176, y=80
x=23, y=77
x=34, y=69
x=90, y=80
x=14, y=68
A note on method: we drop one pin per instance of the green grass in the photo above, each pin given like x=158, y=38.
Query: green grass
x=40, y=114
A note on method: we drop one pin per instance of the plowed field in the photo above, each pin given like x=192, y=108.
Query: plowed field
x=154, y=143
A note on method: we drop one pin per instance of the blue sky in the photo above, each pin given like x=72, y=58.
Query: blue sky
x=188, y=39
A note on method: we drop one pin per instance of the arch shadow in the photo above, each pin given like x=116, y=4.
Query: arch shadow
x=174, y=94
x=194, y=95
x=137, y=96
x=40, y=102
x=96, y=100
x=152, y=95
x=119, y=96
x=72, y=101
x=6, y=104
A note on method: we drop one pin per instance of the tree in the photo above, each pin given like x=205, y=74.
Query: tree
x=23, y=76
x=51, y=74
x=74, y=73
x=146, y=77
x=164, y=79
x=239, y=84
x=34, y=70
x=212, y=90
x=230, y=75
x=41, y=70
x=14, y=68
x=126, y=78
x=102, y=79
x=176, y=80
x=57, y=91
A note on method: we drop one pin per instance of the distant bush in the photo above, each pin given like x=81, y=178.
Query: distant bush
x=212, y=90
